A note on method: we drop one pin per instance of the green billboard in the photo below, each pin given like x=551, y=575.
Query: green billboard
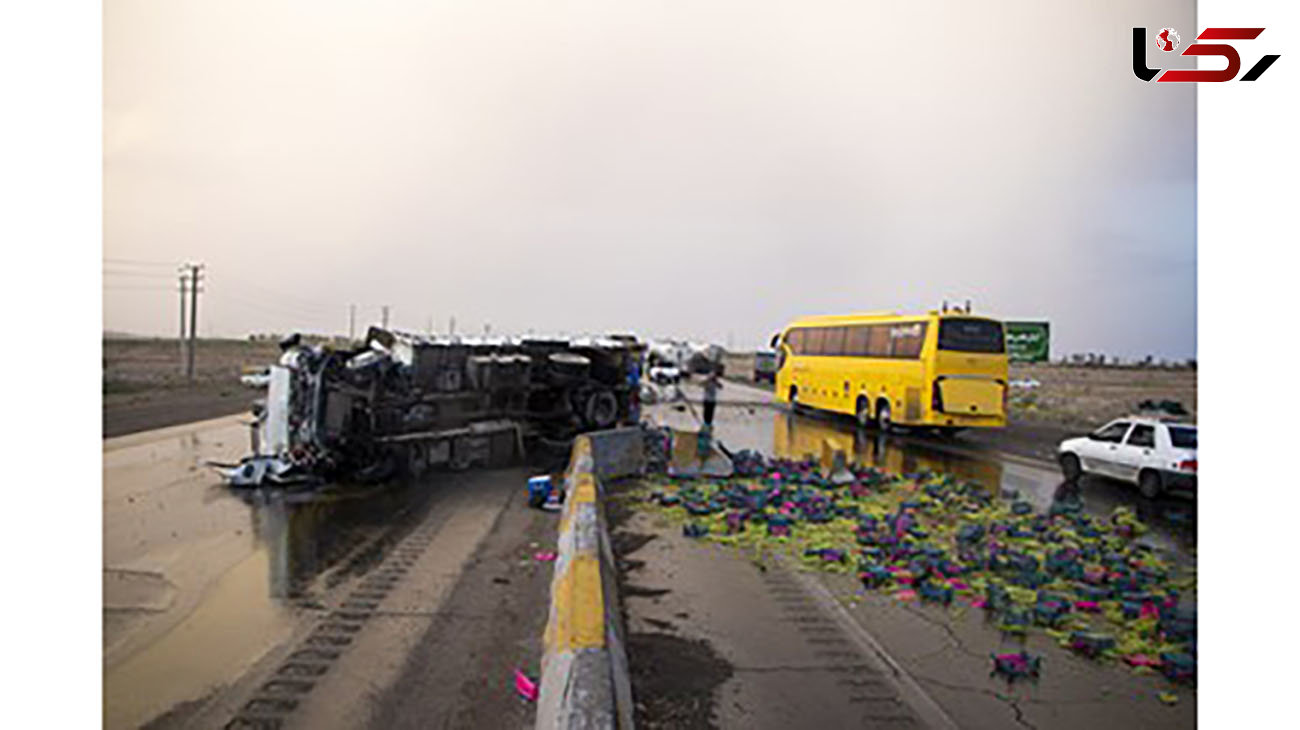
x=1028, y=341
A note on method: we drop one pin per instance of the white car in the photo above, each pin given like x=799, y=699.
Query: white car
x=1153, y=454
x=258, y=379
x=665, y=374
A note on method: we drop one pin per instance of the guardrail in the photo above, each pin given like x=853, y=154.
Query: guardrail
x=585, y=681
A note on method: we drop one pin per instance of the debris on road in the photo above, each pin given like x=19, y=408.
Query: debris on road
x=543, y=493
x=525, y=687
x=1018, y=666
x=1088, y=582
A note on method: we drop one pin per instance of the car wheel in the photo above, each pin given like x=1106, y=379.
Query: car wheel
x=884, y=418
x=1070, y=467
x=794, y=400
x=1150, y=484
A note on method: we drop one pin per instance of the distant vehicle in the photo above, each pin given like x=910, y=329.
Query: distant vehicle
x=765, y=366
x=945, y=370
x=665, y=373
x=705, y=359
x=257, y=378
x=1152, y=453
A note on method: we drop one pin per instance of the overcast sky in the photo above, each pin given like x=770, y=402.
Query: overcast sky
x=704, y=169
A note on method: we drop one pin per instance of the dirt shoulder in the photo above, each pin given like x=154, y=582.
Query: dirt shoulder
x=161, y=407
x=144, y=388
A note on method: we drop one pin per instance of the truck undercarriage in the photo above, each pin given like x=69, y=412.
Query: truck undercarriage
x=403, y=403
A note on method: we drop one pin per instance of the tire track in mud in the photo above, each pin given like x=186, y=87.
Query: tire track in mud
x=866, y=686
x=383, y=563
x=313, y=657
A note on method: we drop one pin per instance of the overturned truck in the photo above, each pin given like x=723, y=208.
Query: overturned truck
x=401, y=403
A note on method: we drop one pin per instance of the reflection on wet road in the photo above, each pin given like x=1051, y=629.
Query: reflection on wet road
x=774, y=430
x=200, y=581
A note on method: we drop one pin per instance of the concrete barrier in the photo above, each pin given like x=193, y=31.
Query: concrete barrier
x=585, y=681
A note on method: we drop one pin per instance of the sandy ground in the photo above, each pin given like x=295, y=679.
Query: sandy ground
x=375, y=607
x=1086, y=397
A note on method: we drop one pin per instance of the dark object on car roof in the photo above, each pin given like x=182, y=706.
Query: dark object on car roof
x=1171, y=407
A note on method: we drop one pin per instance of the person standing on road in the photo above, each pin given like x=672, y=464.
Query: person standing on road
x=711, y=386
x=634, y=388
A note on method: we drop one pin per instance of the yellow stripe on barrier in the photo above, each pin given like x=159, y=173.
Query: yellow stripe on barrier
x=581, y=448
x=578, y=612
x=584, y=489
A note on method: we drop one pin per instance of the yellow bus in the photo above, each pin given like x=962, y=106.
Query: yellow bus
x=945, y=369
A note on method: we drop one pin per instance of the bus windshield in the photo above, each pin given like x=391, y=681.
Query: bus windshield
x=970, y=335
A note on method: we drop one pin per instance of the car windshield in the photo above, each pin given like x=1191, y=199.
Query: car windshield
x=1111, y=432
x=1183, y=437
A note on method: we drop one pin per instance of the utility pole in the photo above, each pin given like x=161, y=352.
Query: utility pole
x=385, y=325
x=451, y=325
x=430, y=327
x=352, y=322
x=194, y=317
x=181, y=338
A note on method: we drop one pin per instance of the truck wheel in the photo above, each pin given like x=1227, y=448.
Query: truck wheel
x=1070, y=467
x=601, y=409
x=1150, y=484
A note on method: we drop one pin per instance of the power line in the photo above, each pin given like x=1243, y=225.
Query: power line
x=139, y=262
x=292, y=300
x=268, y=306
x=149, y=274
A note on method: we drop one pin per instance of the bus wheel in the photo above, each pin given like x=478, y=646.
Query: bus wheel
x=864, y=413
x=883, y=416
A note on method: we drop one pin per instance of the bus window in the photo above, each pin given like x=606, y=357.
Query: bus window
x=878, y=342
x=970, y=335
x=834, y=344
x=856, y=344
x=907, y=339
x=813, y=340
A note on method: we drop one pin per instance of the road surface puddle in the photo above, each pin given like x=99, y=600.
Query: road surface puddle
x=201, y=581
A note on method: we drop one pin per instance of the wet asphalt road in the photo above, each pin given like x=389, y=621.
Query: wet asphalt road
x=360, y=607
